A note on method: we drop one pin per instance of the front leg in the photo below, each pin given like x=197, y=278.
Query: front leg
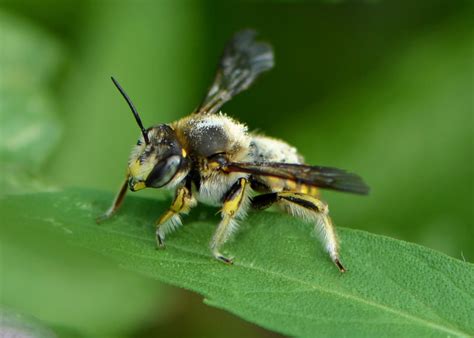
x=116, y=203
x=170, y=220
x=235, y=204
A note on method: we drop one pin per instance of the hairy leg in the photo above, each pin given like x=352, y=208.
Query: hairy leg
x=170, y=220
x=310, y=209
x=234, y=207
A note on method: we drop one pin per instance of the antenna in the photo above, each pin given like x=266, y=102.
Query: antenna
x=132, y=107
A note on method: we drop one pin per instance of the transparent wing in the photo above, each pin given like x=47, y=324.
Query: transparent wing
x=243, y=60
x=322, y=177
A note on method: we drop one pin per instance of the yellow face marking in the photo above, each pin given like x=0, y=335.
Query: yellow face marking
x=139, y=186
x=134, y=168
x=184, y=153
x=140, y=171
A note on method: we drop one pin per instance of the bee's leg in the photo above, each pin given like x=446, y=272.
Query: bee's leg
x=115, y=204
x=233, y=207
x=170, y=220
x=310, y=209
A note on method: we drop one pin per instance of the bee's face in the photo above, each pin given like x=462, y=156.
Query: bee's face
x=155, y=164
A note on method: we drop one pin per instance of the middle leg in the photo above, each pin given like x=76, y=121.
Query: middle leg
x=234, y=206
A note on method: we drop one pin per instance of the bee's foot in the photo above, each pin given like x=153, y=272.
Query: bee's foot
x=339, y=265
x=220, y=257
x=103, y=218
x=160, y=241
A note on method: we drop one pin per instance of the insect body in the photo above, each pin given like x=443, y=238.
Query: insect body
x=211, y=158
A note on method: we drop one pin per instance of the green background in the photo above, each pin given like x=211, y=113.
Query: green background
x=380, y=88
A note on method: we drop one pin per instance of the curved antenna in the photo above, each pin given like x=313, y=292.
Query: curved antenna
x=132, y=107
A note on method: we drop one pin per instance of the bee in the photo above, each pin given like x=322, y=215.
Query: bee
x=210, y=157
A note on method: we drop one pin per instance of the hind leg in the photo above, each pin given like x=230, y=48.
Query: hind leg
x=310, y=209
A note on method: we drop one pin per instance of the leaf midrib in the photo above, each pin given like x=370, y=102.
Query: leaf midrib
x=408, y=316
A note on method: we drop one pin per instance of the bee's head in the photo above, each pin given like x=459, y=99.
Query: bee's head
x=157, y=162
x=157, y=158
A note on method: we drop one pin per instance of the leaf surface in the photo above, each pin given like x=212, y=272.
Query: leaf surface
x=281, y=279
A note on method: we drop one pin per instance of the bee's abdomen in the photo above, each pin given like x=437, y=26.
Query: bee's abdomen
x=275, y=184
x=266, y=149
x=300, y=187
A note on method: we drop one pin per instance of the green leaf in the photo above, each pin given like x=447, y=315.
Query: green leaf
x=71, y=289
x=29, y=126
x=281, y=279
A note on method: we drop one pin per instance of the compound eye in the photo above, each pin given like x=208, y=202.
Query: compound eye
x=163, y=172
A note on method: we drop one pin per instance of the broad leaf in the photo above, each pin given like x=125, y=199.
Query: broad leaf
x=74, y=291
x=281, y=279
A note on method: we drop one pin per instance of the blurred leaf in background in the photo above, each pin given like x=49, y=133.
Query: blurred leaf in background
x=416, y=141
x=71, y=290
x=29, y=126
x=152, y=56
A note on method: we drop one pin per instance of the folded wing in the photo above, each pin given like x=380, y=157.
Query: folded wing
x=322, y=177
